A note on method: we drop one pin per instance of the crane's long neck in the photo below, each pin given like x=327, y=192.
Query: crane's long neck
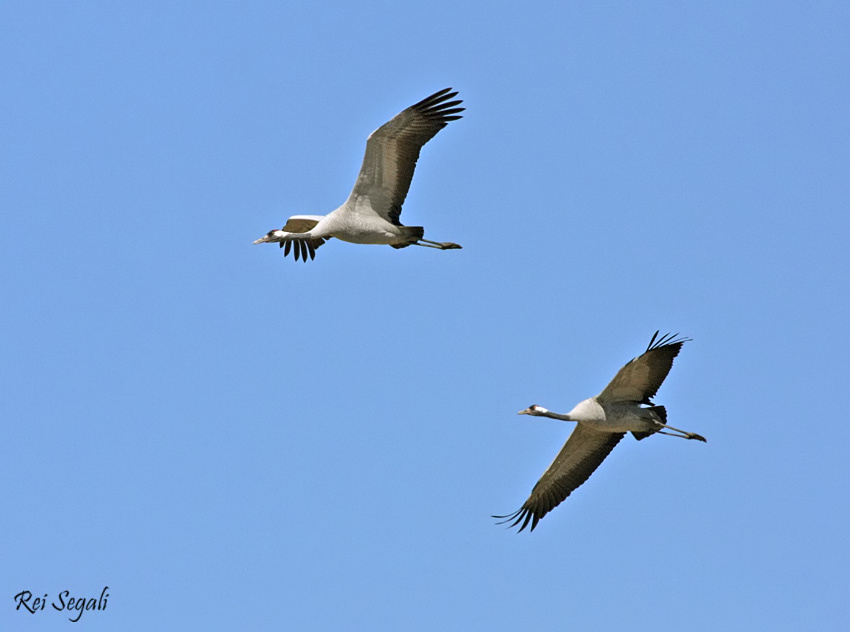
x=588, y=410
x=279, y=236
x=285, y=236
x=560, y=416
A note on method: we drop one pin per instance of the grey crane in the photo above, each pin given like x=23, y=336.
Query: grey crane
x=624, y=406
x=371, y=213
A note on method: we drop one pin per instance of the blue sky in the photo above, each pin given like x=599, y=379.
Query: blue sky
x=232, y=440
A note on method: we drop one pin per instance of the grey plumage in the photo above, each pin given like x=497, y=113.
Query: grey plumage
x=371, y=214
x=625, y=405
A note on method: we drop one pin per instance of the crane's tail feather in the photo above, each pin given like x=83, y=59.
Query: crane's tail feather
x=411, y=235
x=662, y=415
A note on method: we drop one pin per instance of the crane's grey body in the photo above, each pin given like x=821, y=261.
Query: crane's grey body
x=356, y=224
x=611, y=416
x=371, y=213
x=624, y=406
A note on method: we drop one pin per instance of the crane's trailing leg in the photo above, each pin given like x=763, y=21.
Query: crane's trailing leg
x=441, y=245
x=684, y=434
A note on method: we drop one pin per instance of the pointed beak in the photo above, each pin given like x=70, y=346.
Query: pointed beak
x=262, y=240
x=527, y=411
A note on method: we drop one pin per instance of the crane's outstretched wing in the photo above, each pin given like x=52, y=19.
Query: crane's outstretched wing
x=578, y=459
x=640, y=378
x=392, y=151
x=303, y=247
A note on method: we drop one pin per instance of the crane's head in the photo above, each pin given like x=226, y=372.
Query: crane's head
x=271, y=237
x=534, y=409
